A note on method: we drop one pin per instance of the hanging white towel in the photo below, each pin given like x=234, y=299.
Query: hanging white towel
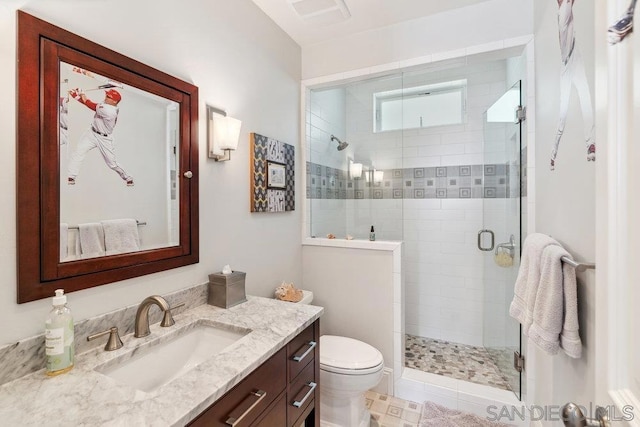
x=555, y=315
x=91, y=240
x=528, y=279
x=121, y=236
x=64, y=241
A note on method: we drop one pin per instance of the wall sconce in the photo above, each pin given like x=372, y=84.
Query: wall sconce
x=355, y=170
x=222, y=133
x=373, y=175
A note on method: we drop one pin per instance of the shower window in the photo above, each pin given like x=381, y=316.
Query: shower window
x=420, y=106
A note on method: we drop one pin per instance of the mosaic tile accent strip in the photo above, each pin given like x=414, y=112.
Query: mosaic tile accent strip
x=269, y=200
x=389, y=411
x=450, y=182
x=454, y=360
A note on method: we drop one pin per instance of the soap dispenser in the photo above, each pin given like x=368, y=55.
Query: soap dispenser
x=372, y=234
x=59, y=340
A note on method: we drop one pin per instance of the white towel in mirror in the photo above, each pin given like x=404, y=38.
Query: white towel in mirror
x=91, y=240
x=64, y=240
x=121, y=236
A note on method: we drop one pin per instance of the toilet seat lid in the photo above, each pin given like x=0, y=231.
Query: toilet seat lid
x=348, y=354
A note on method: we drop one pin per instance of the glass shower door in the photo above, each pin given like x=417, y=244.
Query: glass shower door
x=502, y=215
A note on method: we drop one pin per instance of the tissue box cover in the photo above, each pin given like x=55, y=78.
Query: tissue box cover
x=226, y=290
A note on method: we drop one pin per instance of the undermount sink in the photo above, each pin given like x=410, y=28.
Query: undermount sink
x=157, y=365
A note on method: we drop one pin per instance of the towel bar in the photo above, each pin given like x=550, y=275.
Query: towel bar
x=579, y=266
x=75, y=227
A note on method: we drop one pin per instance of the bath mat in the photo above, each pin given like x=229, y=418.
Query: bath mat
x=434, y=415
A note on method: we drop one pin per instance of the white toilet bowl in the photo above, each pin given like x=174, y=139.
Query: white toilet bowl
x=348, y=368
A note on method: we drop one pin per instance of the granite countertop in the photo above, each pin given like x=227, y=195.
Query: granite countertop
x=85, y=397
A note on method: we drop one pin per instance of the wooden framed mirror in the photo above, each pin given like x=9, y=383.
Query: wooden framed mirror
x=107, y=165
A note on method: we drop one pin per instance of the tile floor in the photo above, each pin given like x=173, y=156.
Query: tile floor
x=459, y=361
x=389, y=411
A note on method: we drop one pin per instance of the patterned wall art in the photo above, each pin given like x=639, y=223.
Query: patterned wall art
x=272, y=175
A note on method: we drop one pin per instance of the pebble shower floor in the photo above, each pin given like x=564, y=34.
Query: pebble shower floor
x=459, y=361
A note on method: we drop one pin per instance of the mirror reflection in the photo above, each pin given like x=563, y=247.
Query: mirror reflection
x=118, y=161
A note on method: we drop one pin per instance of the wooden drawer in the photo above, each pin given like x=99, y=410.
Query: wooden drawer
x=276, y=415
x=302, y=393
x=245, y=398
x=301, y=350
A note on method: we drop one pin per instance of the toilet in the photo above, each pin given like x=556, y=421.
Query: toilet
x=348, y=368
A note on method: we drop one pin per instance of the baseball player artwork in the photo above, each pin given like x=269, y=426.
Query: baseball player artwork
x=572, y=75
x=623, y=26
x=99, y=135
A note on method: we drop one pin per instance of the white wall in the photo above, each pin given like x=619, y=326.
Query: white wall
x=483, y=23
x=241, y=62
x=565, y=206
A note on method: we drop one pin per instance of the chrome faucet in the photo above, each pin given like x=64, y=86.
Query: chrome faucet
x=142, y=315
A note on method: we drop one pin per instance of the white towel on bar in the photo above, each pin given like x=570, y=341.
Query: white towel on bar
x=64, y=240
x=555, y=315
x=121, y=236
x=528, y=279
x=91, y=240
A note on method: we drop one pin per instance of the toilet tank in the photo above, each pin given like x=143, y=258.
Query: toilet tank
x=307, y=297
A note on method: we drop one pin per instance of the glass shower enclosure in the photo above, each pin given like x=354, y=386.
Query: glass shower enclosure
x=431, y=157
x=501, y=236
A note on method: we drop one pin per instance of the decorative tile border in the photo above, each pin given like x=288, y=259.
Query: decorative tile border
x=442, y=182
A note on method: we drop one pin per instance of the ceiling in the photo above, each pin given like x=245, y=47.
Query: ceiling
x=326, y=19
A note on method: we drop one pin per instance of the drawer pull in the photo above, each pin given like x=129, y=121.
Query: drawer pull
x=260, y=394
x=312, y=345
x=312, y=386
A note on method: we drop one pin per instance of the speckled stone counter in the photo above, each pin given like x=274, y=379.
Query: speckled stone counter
x=85, y=397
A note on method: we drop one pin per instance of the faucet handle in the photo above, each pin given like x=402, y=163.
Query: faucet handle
x=113, y=343
x=167, y=319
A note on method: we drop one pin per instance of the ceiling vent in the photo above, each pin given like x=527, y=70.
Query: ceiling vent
x=321, y=12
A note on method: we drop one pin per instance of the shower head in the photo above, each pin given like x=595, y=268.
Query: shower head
x=341, y=145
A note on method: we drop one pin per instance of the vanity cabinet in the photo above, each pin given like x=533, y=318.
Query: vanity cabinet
x=283, y=391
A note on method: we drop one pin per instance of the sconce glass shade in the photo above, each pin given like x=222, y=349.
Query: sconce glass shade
x=378, y=176
x=224, y=132
x=355, y=170
x=229, y=140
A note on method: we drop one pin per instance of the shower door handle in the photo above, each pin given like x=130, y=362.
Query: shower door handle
x=493, y=240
